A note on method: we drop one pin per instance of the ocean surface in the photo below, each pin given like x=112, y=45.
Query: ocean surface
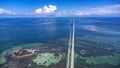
x=15, y=31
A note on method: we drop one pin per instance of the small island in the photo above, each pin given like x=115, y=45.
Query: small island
x=22, y=52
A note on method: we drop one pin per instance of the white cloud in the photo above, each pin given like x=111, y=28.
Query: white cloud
x=3, y=11
x=105, y=10
x=46, y=9
x=39, y=11
x=113, y=6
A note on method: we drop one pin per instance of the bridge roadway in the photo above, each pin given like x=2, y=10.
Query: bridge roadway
x=70, y=57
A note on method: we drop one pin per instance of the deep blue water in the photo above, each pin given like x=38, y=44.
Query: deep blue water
x=15, y=31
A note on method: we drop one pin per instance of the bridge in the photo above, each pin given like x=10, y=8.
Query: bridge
x=70, y=57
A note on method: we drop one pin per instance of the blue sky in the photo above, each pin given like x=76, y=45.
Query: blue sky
x=59, y=7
